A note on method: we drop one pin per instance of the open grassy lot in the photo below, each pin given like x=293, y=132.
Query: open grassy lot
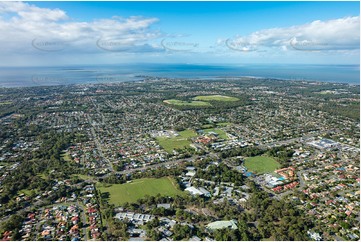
x=268, y=239
x=185, y=103
x=223, y=124
x=83, y=177
x=131, y=192
x=42, y=176
x=188, y=133
x=220, y=132
x=207, y=126
x=27, y=192
x=5, y=103
x=177, y=142
x=261, y=164
x=66, y=156
x=216, y=98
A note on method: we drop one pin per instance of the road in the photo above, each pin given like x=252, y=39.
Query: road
x=24, y=209
x=214, y=155
x=287, y=142
x=173, y=162
x=83, y=220
x=337, y=238
x=98, y=145
x=300, y=178
x=98, y=111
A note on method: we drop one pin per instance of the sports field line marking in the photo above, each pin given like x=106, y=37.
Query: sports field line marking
x=171, y=181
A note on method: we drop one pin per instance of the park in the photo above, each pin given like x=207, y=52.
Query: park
x=261, y=164
x=118, y=194
x=177, y=142
x=220, y=98
x=176, y=102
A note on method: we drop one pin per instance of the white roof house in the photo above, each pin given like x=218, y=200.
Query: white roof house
x=222, y=224
x=198, y=191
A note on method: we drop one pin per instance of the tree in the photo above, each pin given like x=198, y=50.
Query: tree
x=14, y=222
x=181, y=232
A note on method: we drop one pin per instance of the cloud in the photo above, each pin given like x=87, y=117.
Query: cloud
x=31, y=13
x=43, y=36
x=336, y=34
x=24, y=25
x=8, y=7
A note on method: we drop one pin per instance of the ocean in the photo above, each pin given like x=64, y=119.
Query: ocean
x=47, y=76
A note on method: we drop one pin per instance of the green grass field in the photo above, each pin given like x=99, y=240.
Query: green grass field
x=66, y=156
x=188, y=133
x=27, y=192
x=83, y=177
x=6, y=103
x=177, y=142
x=207, y=126
x=185, y=103
x=42, y=176
x=261, y=164
x=221, y=133
x=223, y=124
x=131, y=192
x=268, y=239
x=216, y=98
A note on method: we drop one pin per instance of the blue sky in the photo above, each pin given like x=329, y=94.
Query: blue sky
x=180, y=32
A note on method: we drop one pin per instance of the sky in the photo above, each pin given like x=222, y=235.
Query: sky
x=87, y=33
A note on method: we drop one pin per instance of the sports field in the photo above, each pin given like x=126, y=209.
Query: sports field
x=216, y=98
x=177, y=142
x=131, y=192
x=221, y=133
x=261, y=164
x=185, y=103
